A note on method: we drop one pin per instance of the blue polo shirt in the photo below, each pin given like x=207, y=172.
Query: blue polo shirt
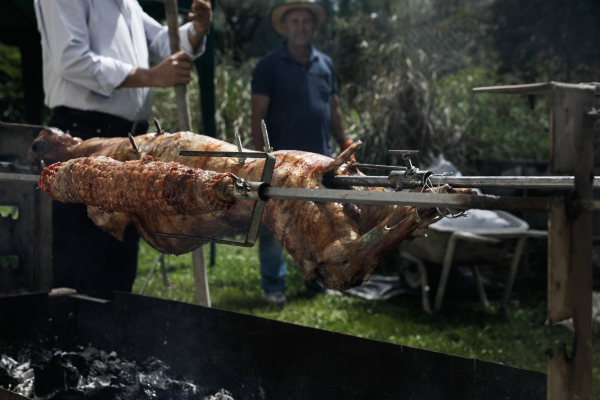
x=299, y=117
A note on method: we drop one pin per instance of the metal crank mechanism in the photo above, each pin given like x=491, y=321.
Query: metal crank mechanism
x=411, y=177
x=242, y=190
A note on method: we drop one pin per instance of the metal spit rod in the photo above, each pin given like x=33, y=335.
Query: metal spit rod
x=512, y=182
x=450, y=201
x=14, y=166
x=453, y=201
x=457, y=201
x=25, y=178
x=509, y=182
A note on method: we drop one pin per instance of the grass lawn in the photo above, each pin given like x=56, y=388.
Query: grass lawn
x=515, y=336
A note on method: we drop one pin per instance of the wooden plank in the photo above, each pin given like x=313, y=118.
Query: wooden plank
x=530, y=89
x=570, y=242
x=534, y=88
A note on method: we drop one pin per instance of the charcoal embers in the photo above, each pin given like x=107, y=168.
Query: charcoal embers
x=220, y=395
x=16, y=377
x=93, y=374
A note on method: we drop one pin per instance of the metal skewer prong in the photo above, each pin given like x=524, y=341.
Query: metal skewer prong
x=159, y=130
x=238, y=142
x=136, y=149
x=267, y=148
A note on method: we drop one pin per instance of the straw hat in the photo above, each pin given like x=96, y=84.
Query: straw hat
x=279, y=11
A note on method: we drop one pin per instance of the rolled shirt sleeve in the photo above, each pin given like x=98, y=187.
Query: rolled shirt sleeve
x=158, y=40
x=66, y=36
x=186, y=46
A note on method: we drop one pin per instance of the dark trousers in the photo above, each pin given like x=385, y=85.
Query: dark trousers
x=86, y=258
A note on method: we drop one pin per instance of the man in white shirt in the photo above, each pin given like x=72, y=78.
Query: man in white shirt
x=98, y=79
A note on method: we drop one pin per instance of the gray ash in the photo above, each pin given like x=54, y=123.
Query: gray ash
x=93, y=374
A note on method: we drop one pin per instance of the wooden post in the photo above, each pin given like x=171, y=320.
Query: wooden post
x=202, y=295
x=570, y=242
x=183, y=106
x=569, y=234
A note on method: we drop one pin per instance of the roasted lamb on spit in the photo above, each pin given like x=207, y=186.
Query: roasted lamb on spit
x=142, y=186
x=336, y=245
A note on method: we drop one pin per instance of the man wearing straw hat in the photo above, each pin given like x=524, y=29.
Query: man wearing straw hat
x=294, y=91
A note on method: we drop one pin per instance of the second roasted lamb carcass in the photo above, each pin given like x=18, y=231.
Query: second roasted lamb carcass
x=336, y=245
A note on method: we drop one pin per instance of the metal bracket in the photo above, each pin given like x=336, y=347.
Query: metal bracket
x=239, y=186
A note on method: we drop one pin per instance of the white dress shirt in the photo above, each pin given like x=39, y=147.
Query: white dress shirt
x=90, y=46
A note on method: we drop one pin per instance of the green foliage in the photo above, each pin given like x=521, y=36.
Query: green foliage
x=547, y=39
x=164, y=107
x=244, y=28
x=232, y=93
x=492, y=126
x=9, y=211
x=395, y=108
x=515, y=336
x=395, y=100
x=12, y=108
x=351, y=42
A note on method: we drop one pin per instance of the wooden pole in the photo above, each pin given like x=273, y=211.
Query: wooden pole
x=202, y=295
x=183, y=106
x=570, y=242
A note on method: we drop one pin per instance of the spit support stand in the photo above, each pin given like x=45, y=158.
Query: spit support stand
x=241, y=188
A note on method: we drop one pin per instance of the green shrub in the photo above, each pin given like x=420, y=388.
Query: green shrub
x=494, y=126
x=395, y=108
x=233, y=109
x=12, y=98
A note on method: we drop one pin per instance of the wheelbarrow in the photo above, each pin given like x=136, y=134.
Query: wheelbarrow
x=472, y=240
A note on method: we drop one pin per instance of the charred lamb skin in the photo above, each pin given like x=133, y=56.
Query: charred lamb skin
x=336, y=245
x=142, y=186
